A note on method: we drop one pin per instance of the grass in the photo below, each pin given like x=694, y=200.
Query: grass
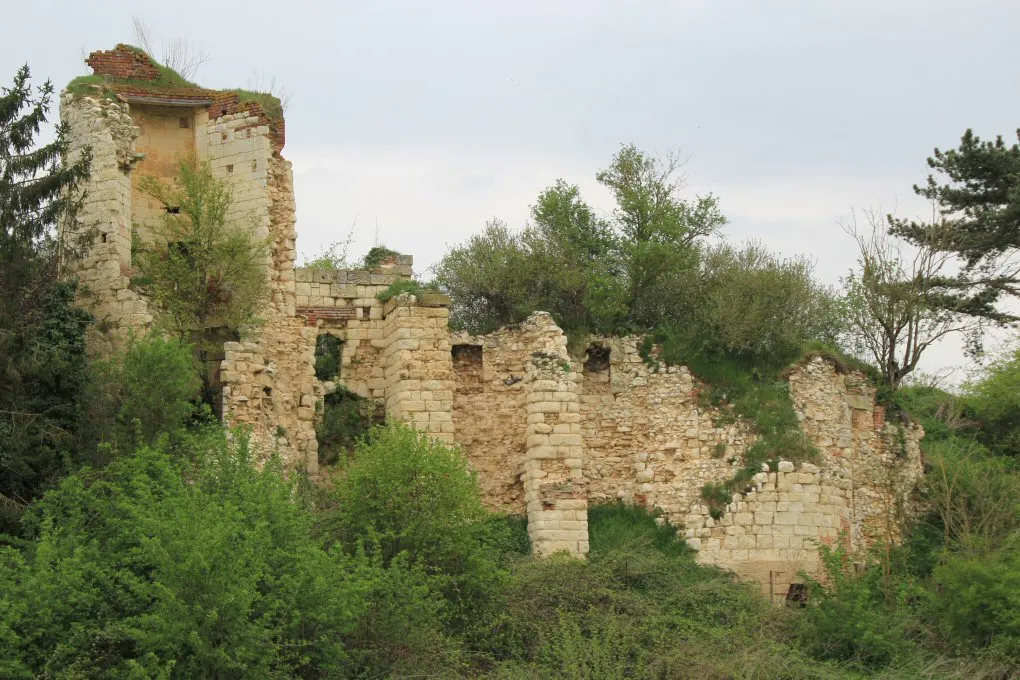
x=170, y=80
x=754, y=389
x=269, y=103
x=616, y=526
x=404, y=286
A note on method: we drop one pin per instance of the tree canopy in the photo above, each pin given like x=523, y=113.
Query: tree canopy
x=976, y=190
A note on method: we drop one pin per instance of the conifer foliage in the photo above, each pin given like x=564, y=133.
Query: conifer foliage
x=41, y=330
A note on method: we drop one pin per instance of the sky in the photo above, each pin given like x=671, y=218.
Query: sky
x=410, y=124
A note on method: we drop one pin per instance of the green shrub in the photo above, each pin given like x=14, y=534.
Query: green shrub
x=860, y=618
x=401, y=286
x=158, y=568
x=404, y=495
x=328, y=354
x=346, y=419
x=979, y=601
x=994, y=399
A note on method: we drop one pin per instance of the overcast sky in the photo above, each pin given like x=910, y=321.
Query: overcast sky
x=419, y=121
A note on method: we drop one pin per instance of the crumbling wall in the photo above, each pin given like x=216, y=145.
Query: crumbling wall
x=344, y=303
x=106, y=126
x=649, y=439
x=490, y=412
x=880, y=457
x=772, y=532
x=858, y=493
x=269, y=378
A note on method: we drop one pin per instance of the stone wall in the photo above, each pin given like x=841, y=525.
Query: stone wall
x=344, y=303
x=105, y=220
x=859, y=493
x=490, y=412
x=649, y=439
x=268, y=378
x=644, y=436
x=880, y=457
x=417, y=363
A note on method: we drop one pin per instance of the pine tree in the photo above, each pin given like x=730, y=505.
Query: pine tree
x=976, y=190
x=42, y=361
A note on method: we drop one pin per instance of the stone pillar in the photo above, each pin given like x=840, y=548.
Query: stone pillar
x=555, y=489
x=417, y=365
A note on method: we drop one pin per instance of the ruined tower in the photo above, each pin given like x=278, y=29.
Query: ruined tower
x=140, y=119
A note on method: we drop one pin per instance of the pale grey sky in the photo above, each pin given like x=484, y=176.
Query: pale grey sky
x=421, y=120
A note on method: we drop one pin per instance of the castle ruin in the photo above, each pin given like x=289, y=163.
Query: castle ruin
x=547, y=433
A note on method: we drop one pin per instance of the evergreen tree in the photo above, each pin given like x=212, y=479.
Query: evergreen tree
x=42, y=361
x=976, y=189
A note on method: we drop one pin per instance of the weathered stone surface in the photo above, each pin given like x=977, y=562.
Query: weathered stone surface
x=546, y=433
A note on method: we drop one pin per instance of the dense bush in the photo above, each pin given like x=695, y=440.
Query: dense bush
x=346, y=418
x=156, y=568
x=135, y=395
x=994, y=399
x=405, y=496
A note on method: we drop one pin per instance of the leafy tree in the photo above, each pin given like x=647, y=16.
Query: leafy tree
x=592, y=274
x=207, y=275
x=976, y=189
x=491, y=279
x=42, y=360
x=659, y=231
x=754, y=304
x=895, y=310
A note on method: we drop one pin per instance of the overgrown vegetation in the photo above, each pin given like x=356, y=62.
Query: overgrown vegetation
x=205, y=275
x=170, y=79
x=140, y=539
x=344, y=420
x=401, y=286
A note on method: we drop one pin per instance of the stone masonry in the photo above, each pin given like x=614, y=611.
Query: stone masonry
x=546, y=433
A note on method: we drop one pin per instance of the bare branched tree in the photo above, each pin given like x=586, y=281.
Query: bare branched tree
x=894, y=306
x=179, y=54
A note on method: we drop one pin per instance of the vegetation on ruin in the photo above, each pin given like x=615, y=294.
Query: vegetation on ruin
x=139, y=538
x=401, y=286
x=170, y=79
x=205, y=276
